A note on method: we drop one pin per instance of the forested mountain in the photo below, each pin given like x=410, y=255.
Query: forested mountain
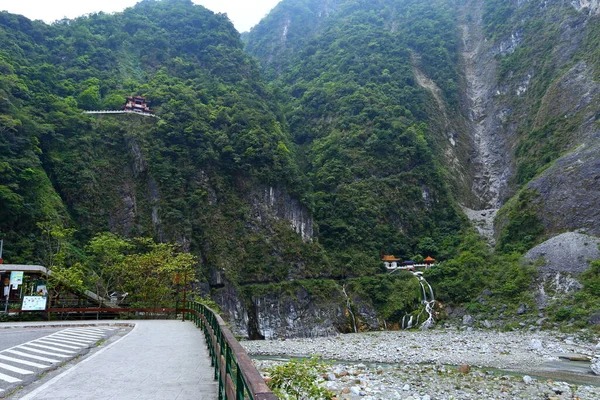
x=504, y=94
x=196, y=176
x=340, y=131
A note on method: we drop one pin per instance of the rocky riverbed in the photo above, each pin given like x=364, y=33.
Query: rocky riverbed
x=447, y=364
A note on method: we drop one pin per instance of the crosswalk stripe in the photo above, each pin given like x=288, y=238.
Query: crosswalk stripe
x=15, y=369
x=45, y=352
x=9, y=379
x=24, y=362
x=56, y=343
x=40, y=358
x=71, y=336
x=63, y=337
x=103, y=330
x=85, y=331
x=79, y=335
x=50, y=348
x=42, y=351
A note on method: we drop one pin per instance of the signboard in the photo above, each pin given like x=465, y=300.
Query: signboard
x=16, y=278
x=34, y=303
x=41, y=289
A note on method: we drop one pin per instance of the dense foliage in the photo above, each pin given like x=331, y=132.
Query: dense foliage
x=341, y=135
x=185, y=177
x=359, y=124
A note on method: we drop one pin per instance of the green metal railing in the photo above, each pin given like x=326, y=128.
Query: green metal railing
x=238, y=377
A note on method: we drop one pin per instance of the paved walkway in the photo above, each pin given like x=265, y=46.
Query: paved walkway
x=157, y=360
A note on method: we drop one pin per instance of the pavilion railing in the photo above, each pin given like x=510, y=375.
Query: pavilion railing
x=238, y=377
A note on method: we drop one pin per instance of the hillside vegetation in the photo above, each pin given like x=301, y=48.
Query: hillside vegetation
x=288, y=164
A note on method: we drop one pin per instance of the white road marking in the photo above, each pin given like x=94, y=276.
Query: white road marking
x=20, y=353
x=82, y=336
x=15, y=369
x=50, y=348
x=64, y=337
x=24, y=347
x=46, y=351
x=24, y=362
x=56, y=343
x=9, y=379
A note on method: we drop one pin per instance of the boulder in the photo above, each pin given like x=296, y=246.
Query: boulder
x=569, y=252
x=595, y=319
x=467, y=320
x=595, y=365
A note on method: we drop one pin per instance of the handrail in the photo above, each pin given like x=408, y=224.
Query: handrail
x=238, y=377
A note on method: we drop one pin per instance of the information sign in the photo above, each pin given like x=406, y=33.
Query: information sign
x=34, y=303
x=16, y=278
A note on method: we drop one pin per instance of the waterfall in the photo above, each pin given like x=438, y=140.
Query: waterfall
x=428, y=300
x=350, y=308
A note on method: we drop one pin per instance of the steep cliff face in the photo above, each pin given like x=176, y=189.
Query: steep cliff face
x=299, y=309
x=287, y=28
x=273, y=203
x=548, y=89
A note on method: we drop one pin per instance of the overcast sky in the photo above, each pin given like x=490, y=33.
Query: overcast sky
x=243, y=13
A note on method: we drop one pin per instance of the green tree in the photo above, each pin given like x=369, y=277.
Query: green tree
x=299, y=380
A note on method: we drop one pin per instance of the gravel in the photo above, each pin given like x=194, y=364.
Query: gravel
x=423, y=364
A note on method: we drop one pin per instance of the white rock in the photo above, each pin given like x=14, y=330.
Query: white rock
x=406, y=387
x=536, y=344
x=595, y=365
x=527, y=379
x=355, y=390
x=426, y=397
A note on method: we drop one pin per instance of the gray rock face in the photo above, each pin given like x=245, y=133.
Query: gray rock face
x=275, y=203
x=491, y=167
x=568, y=190
x=291, y=315
x=569, y=252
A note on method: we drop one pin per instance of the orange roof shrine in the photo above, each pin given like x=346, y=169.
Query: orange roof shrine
x=429, y=260
x=390, y=258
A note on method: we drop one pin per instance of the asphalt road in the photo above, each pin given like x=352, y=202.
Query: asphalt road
x=15, y=336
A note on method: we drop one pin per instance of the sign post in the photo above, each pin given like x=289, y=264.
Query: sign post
x=6, y=293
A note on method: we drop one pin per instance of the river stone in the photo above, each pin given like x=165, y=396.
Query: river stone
x=536, y=344
x=527, y=379
x=595, y=365
x=467, y=320
x=595, y=319
x=522, y=309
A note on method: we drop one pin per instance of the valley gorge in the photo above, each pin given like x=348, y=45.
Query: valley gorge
x=289, y=159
